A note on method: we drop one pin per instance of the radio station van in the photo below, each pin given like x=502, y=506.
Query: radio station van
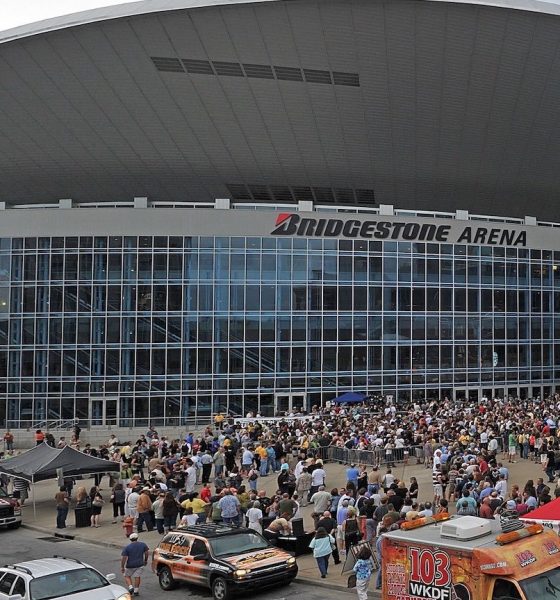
x=469, y=558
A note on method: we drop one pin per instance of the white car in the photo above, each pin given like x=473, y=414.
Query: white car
x=57, y=577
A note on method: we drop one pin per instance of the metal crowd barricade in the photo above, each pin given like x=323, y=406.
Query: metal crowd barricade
x=376, y=457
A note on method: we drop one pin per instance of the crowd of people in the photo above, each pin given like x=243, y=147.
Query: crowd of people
x=218, y=476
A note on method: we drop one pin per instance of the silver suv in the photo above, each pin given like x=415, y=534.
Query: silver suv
x=57, y=577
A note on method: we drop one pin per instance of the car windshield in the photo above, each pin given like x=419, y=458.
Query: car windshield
x=62, y=584
x=546, y=585
x=237, y=544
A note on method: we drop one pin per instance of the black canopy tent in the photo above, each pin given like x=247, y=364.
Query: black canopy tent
x=44, y=462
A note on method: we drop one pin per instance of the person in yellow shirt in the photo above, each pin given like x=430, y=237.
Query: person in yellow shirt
x=260, y=450
x=198, y=506
x=219, y=420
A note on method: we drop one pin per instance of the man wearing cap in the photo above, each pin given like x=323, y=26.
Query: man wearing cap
x=303, y=485
x=134, y=557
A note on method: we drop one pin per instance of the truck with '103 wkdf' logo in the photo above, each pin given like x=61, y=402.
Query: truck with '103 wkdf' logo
x=468, y=558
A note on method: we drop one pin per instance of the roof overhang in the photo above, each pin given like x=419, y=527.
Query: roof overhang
x=131, y=9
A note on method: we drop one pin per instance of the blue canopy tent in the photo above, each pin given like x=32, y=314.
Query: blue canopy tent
x=350, y=398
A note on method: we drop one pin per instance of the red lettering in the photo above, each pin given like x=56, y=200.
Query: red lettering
x=443, y=569
x=430, y=569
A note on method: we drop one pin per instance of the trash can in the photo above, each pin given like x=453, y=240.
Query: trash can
x=83, y=516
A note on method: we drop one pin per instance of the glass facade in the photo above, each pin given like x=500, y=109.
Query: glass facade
x=143, y=329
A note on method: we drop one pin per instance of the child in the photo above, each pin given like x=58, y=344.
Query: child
x=189, y=518
x=363, y=569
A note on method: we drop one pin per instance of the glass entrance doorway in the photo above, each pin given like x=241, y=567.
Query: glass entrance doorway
x=470, y=394
x=460, y=394
x=103, y=411
x=288, y=403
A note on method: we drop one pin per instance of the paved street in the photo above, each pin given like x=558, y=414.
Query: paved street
x=25, y=545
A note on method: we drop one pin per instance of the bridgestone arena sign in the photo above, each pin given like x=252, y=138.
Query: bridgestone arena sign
x=290, y=224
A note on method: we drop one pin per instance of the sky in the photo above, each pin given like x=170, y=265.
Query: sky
x=14, y=13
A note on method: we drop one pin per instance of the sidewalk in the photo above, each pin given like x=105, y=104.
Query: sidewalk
x=112, y=535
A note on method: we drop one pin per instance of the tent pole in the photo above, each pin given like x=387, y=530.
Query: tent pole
x=34, y=507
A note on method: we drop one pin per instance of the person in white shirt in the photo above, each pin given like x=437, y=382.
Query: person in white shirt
x=427, y=511
x=132, y=502
x=255, y=517
x=345, y=497
x=388, y=479
x=190, y=477
x=318, y=477
x=297, y=510
x=298, y=470
x=501, y=487
x=247, y=460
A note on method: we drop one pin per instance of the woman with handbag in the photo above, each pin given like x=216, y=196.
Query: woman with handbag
x=350, y=529
x=322, y=545
x=96, y=506
x=118, y=498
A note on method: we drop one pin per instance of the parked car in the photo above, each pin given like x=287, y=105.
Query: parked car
x=10, y=511
x=56, y=578
x=225, y=559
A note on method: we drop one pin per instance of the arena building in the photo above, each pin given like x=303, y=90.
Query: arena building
x=255, y=206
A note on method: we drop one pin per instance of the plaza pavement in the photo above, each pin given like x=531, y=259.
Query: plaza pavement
x=112, y=535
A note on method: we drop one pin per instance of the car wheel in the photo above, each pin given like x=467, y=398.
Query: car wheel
x=220, y=589
x=14, y=525
x=166, y=581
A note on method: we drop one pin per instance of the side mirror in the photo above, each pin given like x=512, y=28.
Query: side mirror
x=203, y=556
x=110, y=577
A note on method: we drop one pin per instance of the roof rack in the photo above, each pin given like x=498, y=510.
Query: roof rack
x=68, y=558
x=209, y=530
x=19, y=568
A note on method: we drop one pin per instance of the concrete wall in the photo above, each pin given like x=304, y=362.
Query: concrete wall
x=24, y=438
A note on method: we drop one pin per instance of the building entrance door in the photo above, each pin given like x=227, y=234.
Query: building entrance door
x=474, y=394
x=103, y=411
x=286, y=403
x=460, y=394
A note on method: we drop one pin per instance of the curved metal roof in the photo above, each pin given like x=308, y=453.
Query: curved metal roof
x=144, y=7
x=424, y=105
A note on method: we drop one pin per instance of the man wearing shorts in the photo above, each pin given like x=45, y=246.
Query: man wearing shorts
x=134, y=557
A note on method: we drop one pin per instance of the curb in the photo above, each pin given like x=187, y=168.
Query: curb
x=85, y=540
x=76, y=538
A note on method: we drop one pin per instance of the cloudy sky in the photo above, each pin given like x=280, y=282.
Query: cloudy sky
x=19, y=12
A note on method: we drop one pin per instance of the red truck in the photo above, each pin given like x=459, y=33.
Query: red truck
x=10, y=511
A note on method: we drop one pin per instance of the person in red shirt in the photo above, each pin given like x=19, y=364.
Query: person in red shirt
x=482, y=465
x=39, y=437
x=206, y=493
x=486, y=511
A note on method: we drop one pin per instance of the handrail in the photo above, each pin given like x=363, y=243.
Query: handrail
x=60, y=424
x=120, y=422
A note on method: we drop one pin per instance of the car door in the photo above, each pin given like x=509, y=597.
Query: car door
x=199, y=568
